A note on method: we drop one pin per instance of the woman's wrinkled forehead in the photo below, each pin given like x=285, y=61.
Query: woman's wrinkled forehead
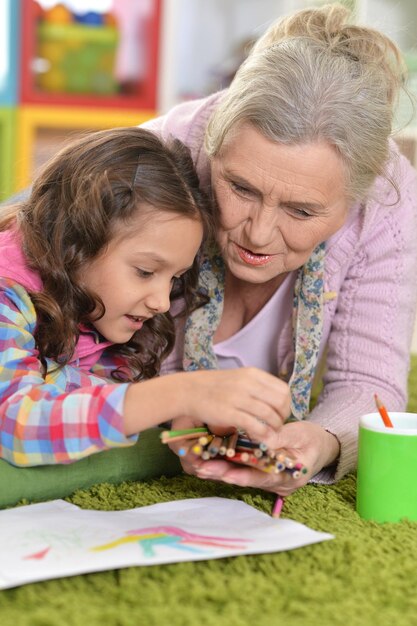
x=246, y=145
x=233, y=133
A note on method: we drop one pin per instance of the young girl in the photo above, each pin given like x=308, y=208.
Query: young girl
x=89, y=265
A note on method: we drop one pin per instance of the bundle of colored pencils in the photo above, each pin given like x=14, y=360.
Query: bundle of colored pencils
x=236, y=448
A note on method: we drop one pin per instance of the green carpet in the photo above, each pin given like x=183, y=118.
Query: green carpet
x=366, y=575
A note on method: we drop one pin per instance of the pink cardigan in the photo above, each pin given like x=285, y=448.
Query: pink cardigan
x=370, y=293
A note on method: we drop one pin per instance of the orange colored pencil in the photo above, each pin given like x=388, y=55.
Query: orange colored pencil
x=383, y=412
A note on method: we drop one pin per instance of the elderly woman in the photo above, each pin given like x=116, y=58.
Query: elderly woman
x=317, y=236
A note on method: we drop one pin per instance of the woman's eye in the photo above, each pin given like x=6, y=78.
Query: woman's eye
x=143, y=273
x=243, y=191
x=298, y=212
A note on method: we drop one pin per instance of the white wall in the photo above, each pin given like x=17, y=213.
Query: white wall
x=199, y=35
x=397, y=18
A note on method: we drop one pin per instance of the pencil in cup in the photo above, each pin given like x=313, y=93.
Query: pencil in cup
x=383, y=412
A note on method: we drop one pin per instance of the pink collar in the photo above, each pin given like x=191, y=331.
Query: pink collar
x=89, y=347
x=14, y=265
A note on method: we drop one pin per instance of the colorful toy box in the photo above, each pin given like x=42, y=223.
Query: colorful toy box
x=90, y=58
x=76, y=58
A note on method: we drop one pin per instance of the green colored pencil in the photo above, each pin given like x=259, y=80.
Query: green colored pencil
x=167, y=434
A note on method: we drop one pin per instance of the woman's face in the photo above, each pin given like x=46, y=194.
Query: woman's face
x=277, y=202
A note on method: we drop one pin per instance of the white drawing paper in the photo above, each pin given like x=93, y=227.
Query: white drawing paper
x=55, y=539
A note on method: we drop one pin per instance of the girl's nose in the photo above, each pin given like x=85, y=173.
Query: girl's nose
x=158, y=301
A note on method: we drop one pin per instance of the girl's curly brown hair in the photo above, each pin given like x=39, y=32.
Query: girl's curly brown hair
x=89, y=187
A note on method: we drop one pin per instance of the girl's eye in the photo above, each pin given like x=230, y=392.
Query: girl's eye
x=143, y=273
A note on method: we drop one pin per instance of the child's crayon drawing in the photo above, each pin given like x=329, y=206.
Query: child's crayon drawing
x=150, y=538
x=54, y=539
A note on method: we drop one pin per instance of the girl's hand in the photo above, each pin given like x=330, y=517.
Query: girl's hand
x=190, y=462
x=246, y=398
x=307, y=442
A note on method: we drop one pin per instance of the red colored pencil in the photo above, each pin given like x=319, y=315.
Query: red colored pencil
x=383, y=412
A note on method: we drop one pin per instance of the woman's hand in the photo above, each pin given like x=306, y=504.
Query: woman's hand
x=307, y=442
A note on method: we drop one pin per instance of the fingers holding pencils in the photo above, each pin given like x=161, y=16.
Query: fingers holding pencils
x=216, y=457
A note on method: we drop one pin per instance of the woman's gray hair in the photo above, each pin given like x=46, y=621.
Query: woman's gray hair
x=313, y=77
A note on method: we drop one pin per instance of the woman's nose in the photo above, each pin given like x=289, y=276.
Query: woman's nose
x=261, y=226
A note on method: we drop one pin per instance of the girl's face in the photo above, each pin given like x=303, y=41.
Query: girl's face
x=134, y=275
x=277, y=202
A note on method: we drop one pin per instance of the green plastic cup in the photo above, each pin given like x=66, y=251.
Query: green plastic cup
x=387, y=468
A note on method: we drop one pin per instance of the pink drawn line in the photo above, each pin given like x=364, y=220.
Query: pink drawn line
x=212, y=543
x=173, y=530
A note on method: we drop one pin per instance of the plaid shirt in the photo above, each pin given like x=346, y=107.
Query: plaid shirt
x=64, y=416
